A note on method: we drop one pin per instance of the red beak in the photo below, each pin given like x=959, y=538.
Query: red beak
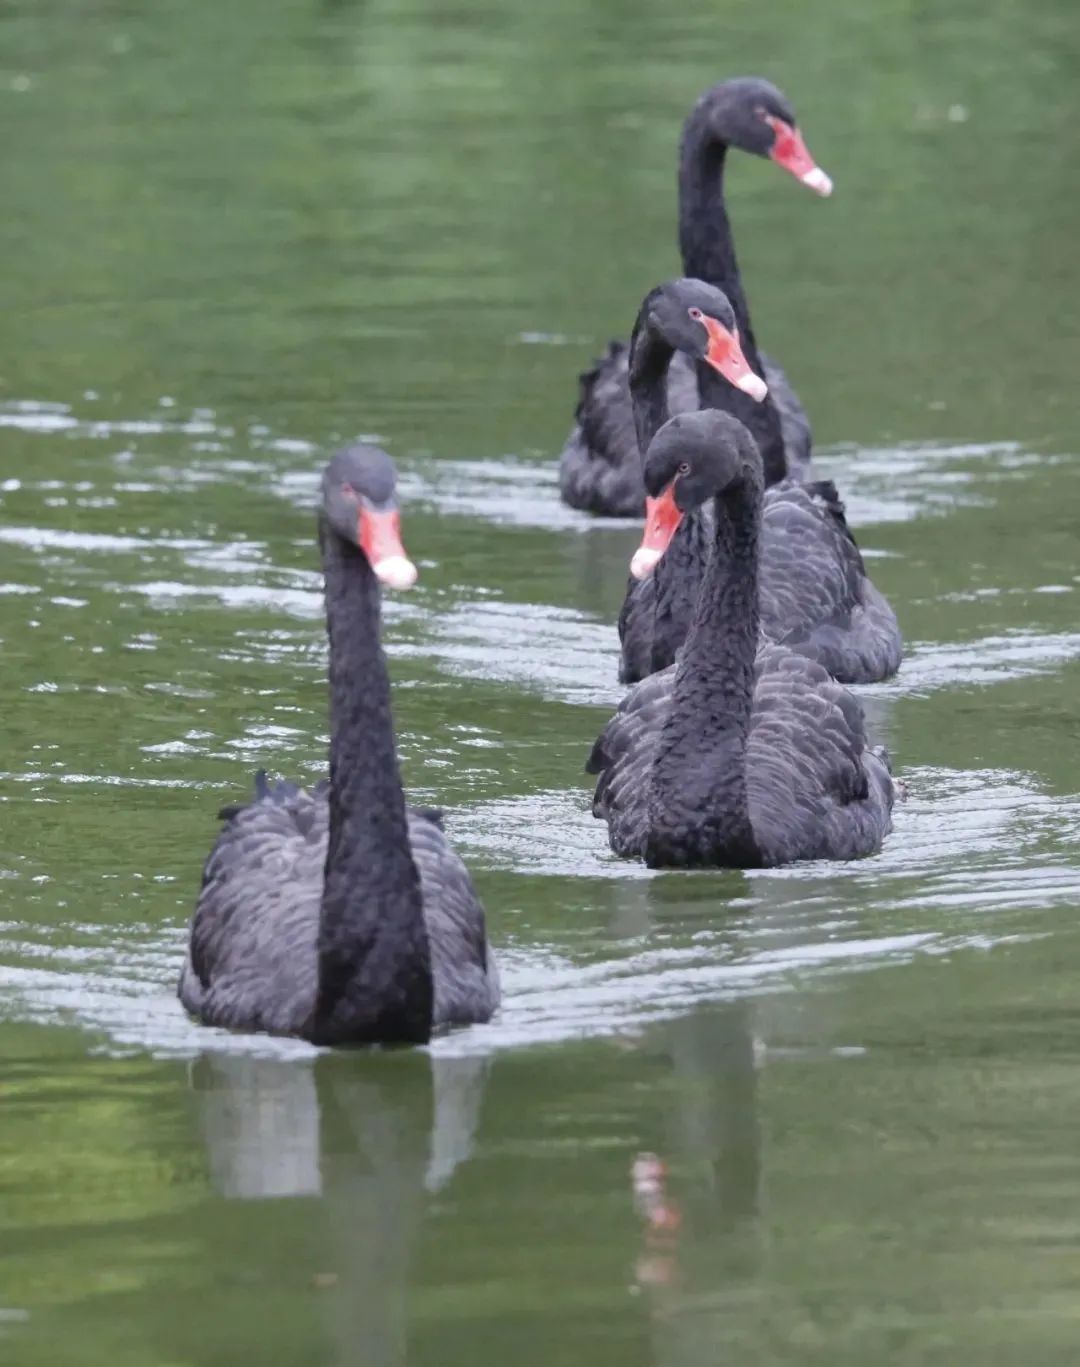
x=662, y=518
x=725, y=355
x=380, y=540
x=790, y=152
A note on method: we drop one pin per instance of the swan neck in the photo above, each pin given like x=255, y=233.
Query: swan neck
x=374, y=957
x=708, y=253
x=650, y=357
x=705, y=237
x=698, y=800
x=678, y=578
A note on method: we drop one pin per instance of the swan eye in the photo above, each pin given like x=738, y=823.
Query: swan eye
x=684, y=468
x=349, y=491
x=696, y=314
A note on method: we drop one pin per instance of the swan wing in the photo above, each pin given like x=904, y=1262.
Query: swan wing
x=815, y=789
x=463, y=967
x=252, y=955
x=622, y=757
x=600, y=467
x=658, y=609
x=816, y=597
x=637, y=629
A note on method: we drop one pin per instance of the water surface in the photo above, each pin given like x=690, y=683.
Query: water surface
x=239, y=234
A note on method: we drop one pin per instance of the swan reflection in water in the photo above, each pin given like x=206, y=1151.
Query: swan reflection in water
x=697, y=1182
x=698, y=1194
x=367, y=1140
x=374, y=1137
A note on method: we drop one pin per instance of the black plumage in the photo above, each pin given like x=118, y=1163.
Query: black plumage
x=816, y=597
x=741, y=754
x=600, y=466
x=339, y=914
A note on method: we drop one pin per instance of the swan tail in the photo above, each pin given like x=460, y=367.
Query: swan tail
x=899, y=787
x=588, y=378
x=282, y=793
x=881, y=752
x=826, y=490
x=598, y=760
x=827, y=493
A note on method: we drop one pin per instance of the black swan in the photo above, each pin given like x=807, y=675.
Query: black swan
x=341, y=915
x=816, y=598
x=600, y=466
x=736, y=756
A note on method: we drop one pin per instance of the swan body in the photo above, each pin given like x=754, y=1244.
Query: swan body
x=252, y=963
x=815, y=595
x=600, y=466
x=804, y=726
x=340, y=915
x=739, y=754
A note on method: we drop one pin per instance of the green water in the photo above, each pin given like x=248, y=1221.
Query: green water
x=234, y=234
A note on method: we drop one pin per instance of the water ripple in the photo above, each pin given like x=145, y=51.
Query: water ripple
x=971, y=852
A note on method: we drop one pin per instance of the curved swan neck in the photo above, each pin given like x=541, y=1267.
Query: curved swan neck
x=678, y=578
x=708, y=253
x=705, y=240
x=698, y=796
x=374, y=956
x=650, y=357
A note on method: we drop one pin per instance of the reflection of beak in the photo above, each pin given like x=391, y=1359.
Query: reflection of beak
x=725, y=355
x=662, y=518
x=380, y=540
x=790, y=152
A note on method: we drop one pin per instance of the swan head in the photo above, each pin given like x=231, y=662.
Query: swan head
x=697, y=318
x=359, y=496
x=694, y=457
x=750, y=113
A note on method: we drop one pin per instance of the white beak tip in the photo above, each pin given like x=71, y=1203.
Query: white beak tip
x=753, y=385
x=396, y=572
x=819, y=182
x=645, y=560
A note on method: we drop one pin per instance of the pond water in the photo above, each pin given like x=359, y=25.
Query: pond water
x=236, y=234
